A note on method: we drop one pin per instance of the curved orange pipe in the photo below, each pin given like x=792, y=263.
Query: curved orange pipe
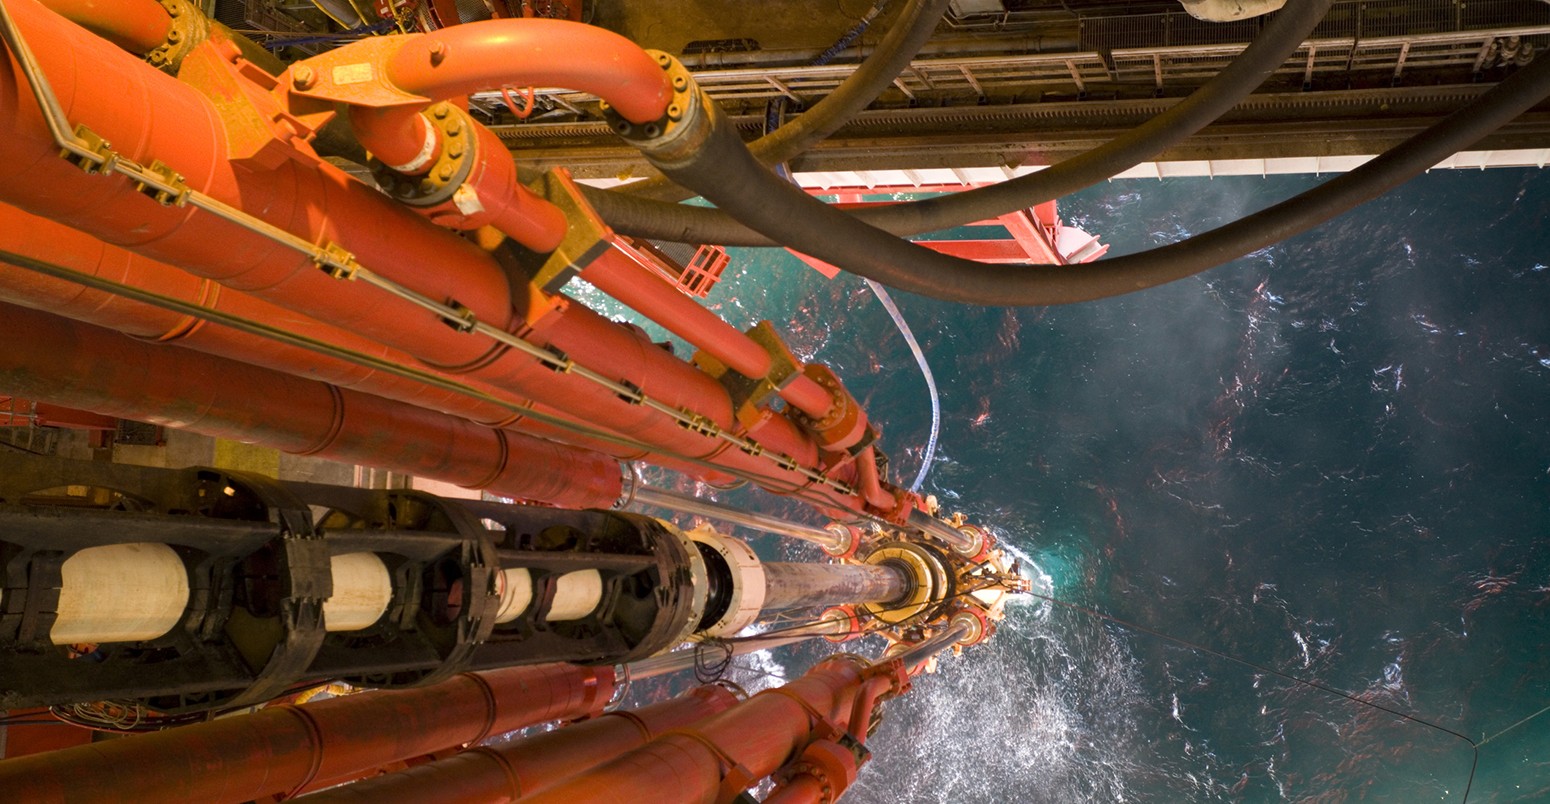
x=479, y=56
x=453, y=62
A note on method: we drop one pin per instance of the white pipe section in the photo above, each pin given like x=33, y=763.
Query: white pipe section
x=120, y=593
x=515, y=589
x=748, y=582
x=576, y=594
x=362, y=591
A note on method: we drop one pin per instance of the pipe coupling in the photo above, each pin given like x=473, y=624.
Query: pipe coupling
x=928, y=581
x=845, y=427
x=440, y=181
x=190, y=27
x=679, y=135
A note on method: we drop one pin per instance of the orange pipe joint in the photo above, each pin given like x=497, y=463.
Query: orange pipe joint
x=842, y=423
x=819, y=776
x=138, y=26
x=454, y=62
x=872, y=489
x=456, y=172
x=808, y=396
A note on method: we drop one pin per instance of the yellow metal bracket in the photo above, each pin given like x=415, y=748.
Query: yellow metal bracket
x=586, y=235
x=749, y=394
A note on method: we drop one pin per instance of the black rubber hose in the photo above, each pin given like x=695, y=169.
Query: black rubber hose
x=898, y=47
x=642, y=217
x=730, y=178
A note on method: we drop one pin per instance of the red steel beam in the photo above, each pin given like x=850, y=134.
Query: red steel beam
x=281, y=749
x=67, y=363
x=511, y=771
x=148, y=116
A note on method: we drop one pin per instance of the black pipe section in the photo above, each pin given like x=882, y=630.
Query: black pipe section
x=642, y=217
x=898, y=47
x=726, y=174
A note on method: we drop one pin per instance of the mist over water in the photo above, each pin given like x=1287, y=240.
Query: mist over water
x=1331, y=458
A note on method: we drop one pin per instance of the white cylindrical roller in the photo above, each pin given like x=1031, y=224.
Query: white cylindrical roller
x=362, y=591
x=515, y=589
x=576, y=594
x=747, y=595
x=120, y=593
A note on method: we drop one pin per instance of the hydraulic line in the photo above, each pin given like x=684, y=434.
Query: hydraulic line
x=898, y=47
x=641, y=217
x=929, y=453
x=683, y=503
x=725, y=173
x=686, y=658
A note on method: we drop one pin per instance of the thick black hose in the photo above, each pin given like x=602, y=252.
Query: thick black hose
x=642, y=217
x=898, y=47
x=727, y=175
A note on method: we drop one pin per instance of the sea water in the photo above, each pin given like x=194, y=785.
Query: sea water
x=1330, y=459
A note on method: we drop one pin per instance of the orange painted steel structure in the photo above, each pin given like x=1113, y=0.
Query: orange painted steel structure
x=53, y=242
x=454, y=62
x=248, y=160
x=75, y=365
x=283, y=749
x=59, y=244
x=720, y=756
x=515, y=770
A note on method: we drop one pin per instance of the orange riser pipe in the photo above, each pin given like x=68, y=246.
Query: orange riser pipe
x=283, y=748
x=760, y=735
x=150, y=115
x=48, y=241
x=55, y=360
x=514, y=770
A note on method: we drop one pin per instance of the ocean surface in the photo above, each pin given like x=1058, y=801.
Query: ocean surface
x=1330, y=460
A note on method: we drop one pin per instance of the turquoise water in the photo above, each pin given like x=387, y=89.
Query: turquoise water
x=1331, y=458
